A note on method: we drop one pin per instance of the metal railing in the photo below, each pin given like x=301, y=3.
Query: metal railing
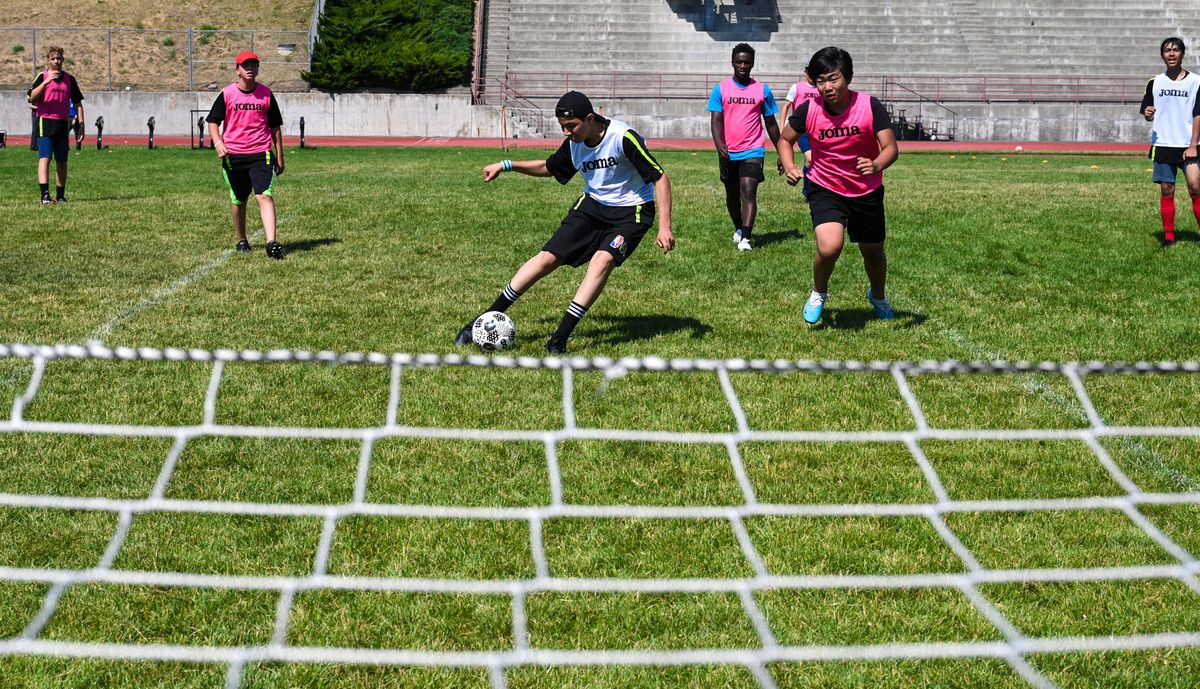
x=115, y=59
x=935, y=89
x=477, y=49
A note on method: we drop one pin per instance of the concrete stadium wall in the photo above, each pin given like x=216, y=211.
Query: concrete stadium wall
x=452, y=115
x=325, y=114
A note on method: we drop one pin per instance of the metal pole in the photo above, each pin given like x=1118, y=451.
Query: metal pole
x=110, y=59
x=35, y=55
x=191, y=74
x=251, y=41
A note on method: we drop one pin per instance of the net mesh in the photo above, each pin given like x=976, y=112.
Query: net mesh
x=1013, y=647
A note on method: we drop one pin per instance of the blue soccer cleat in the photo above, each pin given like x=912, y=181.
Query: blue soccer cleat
x=883, y=307
x=813, y=308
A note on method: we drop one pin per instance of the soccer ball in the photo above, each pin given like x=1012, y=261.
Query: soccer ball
x=494, y=330
x=1019, y=149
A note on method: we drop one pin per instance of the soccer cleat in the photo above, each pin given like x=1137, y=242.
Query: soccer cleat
x=883, y=308
x=61, y=199
x=744, y=245
x=275, y=250
x=813, y=308
x=556, y=346
x=46, y=200
x=243, y=246
x=464, y=336
x=737, y=236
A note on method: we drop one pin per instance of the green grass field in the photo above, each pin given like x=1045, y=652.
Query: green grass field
x=992, y=257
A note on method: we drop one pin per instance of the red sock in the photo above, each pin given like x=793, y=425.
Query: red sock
x=1196, y=208
x=1166, y=208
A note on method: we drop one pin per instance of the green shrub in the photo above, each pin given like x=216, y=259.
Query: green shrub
x=18, y=49
x=417, y=45
x=168, y=42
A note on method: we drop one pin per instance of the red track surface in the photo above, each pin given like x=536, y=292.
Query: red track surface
x=662, y=144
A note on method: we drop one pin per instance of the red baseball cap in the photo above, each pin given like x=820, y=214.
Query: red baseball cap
x=245, y=55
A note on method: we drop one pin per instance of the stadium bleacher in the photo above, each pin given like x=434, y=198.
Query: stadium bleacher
x=887, y=38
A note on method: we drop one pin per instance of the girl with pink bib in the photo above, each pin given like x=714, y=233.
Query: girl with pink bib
x=852, y=144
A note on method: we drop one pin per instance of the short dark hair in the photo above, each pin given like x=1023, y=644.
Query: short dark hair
x=741, y=48
x=831, y=59
x=1162, y=48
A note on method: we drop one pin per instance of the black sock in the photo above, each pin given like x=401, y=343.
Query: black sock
x=570, y=319
x=746, y=232
x=45, y=187
x=59, y=192
x=507, y=298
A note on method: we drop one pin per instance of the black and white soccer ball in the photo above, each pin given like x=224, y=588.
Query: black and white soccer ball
x=494, y=331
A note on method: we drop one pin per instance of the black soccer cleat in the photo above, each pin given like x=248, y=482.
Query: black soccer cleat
x=243, y=247
x=464, y=336
x=275, y=250
x=556, y=346
x=60, y=199
x=46, y=200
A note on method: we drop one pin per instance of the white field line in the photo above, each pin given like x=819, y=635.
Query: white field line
x=1032, y=385
x=163, y=293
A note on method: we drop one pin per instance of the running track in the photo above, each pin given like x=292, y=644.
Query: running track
x=660, y=144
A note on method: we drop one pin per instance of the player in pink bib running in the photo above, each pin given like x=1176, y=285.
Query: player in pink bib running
x=739, y=107
x=250, y=147
x=801, y=92
x=852, y=144
x=52, y=95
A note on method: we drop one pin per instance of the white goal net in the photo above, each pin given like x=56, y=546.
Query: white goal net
x=1011, y=646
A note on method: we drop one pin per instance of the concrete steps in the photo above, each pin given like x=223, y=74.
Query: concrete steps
x=895, y=38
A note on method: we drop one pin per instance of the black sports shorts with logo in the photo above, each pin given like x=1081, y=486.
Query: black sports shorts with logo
x=862, y=216
x=736, y=169
x=591, y=226
x=246, y=172
x=53, y=138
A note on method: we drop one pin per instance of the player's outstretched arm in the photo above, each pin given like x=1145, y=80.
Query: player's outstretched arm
x=788, y=138
x=214, y=135
x=662, y=199
x=533, y=168
x=82, y=126
x=277, y=139
x=716, y=127
x=888, y=153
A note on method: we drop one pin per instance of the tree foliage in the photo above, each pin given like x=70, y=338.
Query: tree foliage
x=417, y=45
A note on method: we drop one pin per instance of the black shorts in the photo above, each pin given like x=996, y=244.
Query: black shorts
x=53, y=138
x=862, y=216
x=736, y=169
x=248, y=172
x=591, y=226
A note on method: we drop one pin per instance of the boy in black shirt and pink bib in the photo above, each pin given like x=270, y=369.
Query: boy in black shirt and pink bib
x=250, y=147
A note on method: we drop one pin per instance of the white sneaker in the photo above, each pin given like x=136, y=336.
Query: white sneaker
x=737, y=236
x=744, y=245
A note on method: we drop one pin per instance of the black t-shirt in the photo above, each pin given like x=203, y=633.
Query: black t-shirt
x=634, y=147
x=799, y=117
x=216, y=114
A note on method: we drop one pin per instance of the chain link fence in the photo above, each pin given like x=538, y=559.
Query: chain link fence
x=154, y=59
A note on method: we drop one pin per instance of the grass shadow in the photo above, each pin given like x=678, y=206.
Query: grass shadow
x=310, y=244
x=857, y=319
x=1185, y=236
x=625, y=329
x=764, y=239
